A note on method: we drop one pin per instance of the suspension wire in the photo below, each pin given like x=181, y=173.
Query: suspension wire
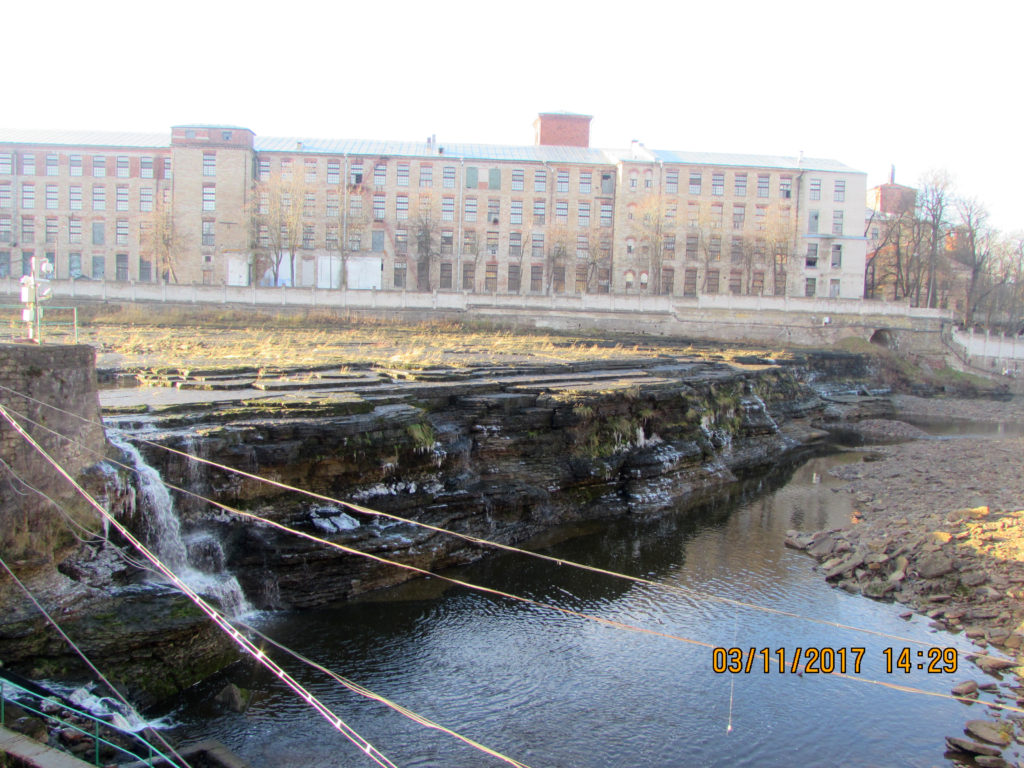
x=93, y=538
x=688, y=592
x=567, y=611
x=365, y=746
x=608, y=622
x=363, y=691
x=351, y=685
x=81, y=654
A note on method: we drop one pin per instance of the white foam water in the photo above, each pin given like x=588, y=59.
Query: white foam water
x=163, y=533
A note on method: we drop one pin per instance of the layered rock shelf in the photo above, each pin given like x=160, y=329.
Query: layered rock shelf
x=502, y=453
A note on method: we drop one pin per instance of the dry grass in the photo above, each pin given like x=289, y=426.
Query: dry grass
x=196, y=339
x=200, y=346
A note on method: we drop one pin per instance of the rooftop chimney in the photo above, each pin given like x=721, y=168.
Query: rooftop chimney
x=562, y=129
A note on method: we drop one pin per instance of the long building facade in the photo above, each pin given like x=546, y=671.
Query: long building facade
x=220, y=205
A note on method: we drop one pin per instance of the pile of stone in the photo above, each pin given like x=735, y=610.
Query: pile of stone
x=966, y=574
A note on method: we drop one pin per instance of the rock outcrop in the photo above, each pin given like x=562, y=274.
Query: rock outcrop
x=502, y=454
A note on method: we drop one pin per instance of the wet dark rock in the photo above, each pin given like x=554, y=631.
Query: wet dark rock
x=234, y=698
x=987, y=731
x=993, y=664
x=986, y=761
x=958, y=744
x=504, y=456
x=31, y=726
x=966, y=688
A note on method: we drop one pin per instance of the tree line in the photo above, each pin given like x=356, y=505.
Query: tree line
x=939, y=249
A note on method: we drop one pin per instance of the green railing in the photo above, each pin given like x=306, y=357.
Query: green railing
x=53, y=321
x=61, y=715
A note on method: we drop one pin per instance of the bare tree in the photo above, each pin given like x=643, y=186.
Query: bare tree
x=973, y=247
x=594, y=258
x=649, y=226
x=560, y=245
x=426, y=235
x=933, y=209
x=165, y=247
x=709, y=244
x=896, y=260
x=279, y=213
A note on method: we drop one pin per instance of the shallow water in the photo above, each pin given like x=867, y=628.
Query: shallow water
x=550, y=689
x=946, y=427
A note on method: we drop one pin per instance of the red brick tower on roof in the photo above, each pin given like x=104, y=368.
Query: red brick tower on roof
x=562, y=129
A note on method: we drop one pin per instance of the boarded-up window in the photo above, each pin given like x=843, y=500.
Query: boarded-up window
x=712, y=281
x=513, y=278
x=558, y=279
x=668, y=277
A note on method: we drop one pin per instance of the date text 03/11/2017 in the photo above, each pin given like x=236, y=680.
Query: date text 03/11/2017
x=826, y=660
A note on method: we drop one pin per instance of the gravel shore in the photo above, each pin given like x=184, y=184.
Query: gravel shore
x=939, y=527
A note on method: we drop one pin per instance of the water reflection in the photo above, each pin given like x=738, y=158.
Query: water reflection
x=557, y=690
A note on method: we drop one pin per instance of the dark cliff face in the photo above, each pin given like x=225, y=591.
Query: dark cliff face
x=503, y=457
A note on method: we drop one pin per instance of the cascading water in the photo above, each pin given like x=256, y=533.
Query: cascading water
x=199, y=560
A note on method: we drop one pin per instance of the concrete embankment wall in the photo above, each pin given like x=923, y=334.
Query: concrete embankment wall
x=766, y=320
x=62, y=375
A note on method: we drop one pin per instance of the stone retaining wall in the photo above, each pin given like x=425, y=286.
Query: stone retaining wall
x=61, y=375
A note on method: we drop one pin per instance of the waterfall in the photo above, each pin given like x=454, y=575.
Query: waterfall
x=197, y=560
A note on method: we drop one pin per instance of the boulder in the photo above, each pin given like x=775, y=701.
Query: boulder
x=966, y=688
x=233, y=697
x=971, y=747
x=973, y=578
x=986, y=730
x=934, y=565
x=992, y=664
x=33, y=727
x=826, y=545
x=986, y=761
x=845, y=565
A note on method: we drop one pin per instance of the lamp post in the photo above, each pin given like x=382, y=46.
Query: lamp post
x=35, y=287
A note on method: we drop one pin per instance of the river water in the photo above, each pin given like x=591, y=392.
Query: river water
x=549, y=689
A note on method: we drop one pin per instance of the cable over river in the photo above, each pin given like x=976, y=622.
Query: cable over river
x=550, y=689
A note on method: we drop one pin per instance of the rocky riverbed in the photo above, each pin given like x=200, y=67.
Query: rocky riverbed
x=939, y=527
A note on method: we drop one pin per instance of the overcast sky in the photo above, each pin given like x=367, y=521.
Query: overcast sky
x=918, y=85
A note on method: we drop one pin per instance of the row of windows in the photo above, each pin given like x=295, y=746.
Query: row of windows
x=51, y=225
x=814, y=220
x=98, y=197
x=474, y=177
x=811, y=288
x=584, y=209
x=98, y=166
x=542, y=280
x=811, y=260
x=696, y=182
x=710, y=248
x=838, y=190
x=75, y=265
x=713, y=216
x=600, y=280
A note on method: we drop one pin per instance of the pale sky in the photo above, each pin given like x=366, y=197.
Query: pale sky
x=918, y=85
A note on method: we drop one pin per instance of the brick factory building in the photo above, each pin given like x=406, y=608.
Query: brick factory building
x=218, y=204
